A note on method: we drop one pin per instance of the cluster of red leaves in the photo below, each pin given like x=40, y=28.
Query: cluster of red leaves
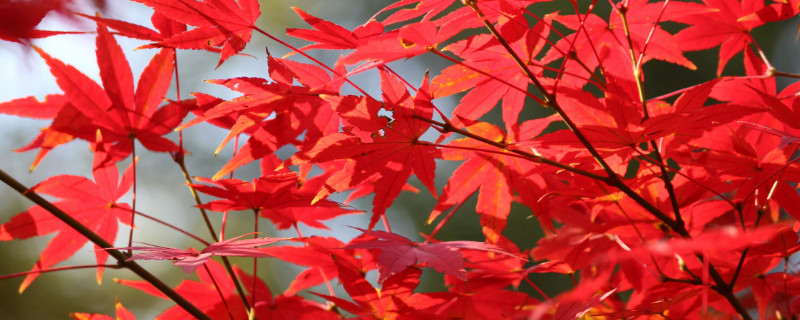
x=683, y=206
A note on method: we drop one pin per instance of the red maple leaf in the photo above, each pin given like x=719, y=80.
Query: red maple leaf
x=494, y=174
x=498, y=76
x=274, y=196
x=119, y=112
x=295, y=108
x=219, y=23
x=484, y=304
x=19, y=18
x=329, y=35
x=391, y=157
x=53, y=107
x=93, y=203
x=399, y=253
x=721, y=25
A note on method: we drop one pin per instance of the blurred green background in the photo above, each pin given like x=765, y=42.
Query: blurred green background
x=161, y=191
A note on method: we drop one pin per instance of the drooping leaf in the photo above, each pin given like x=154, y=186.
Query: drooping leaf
x=189, y=260
x=399, y=253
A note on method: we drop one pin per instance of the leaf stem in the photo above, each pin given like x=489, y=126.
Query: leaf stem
x=665, y=166
x=196, y=197
x=252, y=311
x=445, y=220
x=596, y=80
x=228, y=267
x=133, y=197
x=173, y=227
x=219, y=291
x=19, y=274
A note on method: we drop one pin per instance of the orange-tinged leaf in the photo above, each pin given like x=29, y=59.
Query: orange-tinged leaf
x=494, y=175
x=122, y=313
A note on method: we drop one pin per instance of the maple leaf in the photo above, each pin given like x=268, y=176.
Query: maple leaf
x=495, y=175
x=722, y=26
x=53, y=107
x=484, y=304
x=399, y=253
x=329, y=35
x=117, y=111
x=411, y=40
x=781, y=10
x=190, y=260
x=93, y=203
x=219, y=23
x=274, y=196
x=392, y=157
x=283, y=306
x=489, y=271
x=776, y=293
x=295, y=109
x=498, y=76
x=595, y=34
x=20, y=17
x=658, y=306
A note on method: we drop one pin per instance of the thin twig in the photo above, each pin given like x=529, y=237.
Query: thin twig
x=225, y=260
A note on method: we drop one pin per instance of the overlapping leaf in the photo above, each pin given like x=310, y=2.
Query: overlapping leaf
x=390, y=157
x=224, y=24
x=275, y=197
